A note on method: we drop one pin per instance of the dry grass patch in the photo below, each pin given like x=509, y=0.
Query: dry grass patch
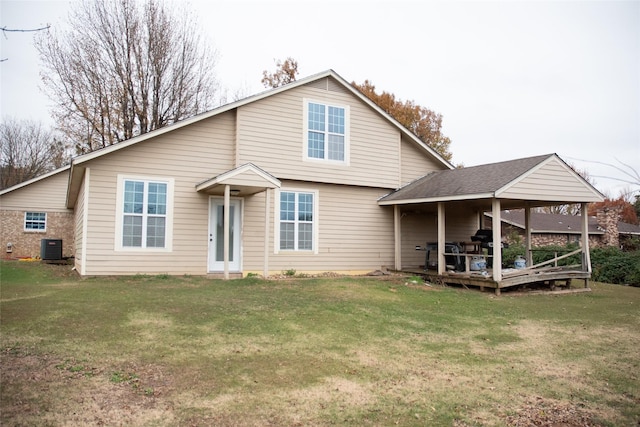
x=44, y=390
x=160, y=351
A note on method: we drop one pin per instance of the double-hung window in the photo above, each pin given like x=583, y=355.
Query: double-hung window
x=35, y=221
x=296, y=221
x=144, y=214
x=326, y=136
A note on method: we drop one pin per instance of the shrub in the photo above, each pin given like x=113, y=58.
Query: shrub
x=546, y=253
x=611, y=265
x=630, y=244
x=510, y=254
x=541, y=254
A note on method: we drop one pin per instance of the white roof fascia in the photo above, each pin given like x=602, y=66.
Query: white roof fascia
x=32, y=180
x=436, y=199
x=227, y=107
x=177, y=125
x=542, y=164
x=241, y=169
x=401, y=127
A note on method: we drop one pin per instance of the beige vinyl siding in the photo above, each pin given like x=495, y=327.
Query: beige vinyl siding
x=189, y=156
x=420, y=228
x=253, y=232
x=551, y=182
x=415, y=163
x=270, y=135
x=417, y=228
x=355, y=234
x=328, y=84
x=48, y=194
x=247, y=178
x=79, y=222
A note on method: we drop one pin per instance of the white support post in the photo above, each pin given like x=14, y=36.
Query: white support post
x=527, y=228
x=497, y=240
x=267, y=221
x=586, y=256
x=226, y=224
x=397, y=236
x=442, y=264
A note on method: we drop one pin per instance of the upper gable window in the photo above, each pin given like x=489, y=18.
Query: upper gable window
x=326, y=132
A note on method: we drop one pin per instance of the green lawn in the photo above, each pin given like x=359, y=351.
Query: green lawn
x=158, y=351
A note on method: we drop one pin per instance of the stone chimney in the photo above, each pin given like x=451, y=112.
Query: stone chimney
x=608, y=221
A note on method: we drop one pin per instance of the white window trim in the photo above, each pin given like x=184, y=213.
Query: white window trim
x=316, y=221
x=305, y=133
x=120, y=213
x=32, y=230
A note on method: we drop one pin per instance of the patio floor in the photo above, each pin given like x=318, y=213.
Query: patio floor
x=553, y=277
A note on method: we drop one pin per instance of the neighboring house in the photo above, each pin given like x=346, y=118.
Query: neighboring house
x=301, y=168
x=311, y=176
x=555, y=229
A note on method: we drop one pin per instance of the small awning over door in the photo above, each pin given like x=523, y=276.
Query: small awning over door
x=244, y=180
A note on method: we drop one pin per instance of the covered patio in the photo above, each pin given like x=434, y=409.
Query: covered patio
x=464, y=195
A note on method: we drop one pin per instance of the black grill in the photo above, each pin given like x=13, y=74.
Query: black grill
x=485, y=237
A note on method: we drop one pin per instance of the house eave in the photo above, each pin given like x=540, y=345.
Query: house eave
x=233, y=178
x=436, y=199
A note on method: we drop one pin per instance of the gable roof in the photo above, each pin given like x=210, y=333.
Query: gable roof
x=558, y=223
x=34, y=180
x=249, y=177
x=77, y=170
x=271, y=92
x=494, y=180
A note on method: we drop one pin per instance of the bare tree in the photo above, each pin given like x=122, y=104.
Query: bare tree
x=6, y=30
x=28, y=150
x=124, y=68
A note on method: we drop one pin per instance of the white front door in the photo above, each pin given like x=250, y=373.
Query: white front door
x=216, y=234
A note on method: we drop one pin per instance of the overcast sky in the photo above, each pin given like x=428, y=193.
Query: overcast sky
x=511, y=79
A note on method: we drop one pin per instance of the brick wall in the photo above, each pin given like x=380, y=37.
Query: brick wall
x=27, y=243
x=537, y=239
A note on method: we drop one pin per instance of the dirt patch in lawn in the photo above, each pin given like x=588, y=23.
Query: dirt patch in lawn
x=538, y=411
x=44, y=390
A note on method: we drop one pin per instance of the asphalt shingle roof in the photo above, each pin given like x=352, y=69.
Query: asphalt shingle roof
x=483, y=179
x=557, y=223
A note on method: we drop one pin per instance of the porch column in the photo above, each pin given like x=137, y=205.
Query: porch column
x=227, y=202
x=267, y=221
x=586, y=256
x=442, y=263
x=497, y=239
x=527, y=235
x=397, y=236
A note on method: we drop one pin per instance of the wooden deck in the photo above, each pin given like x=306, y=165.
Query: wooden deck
x=552, y=277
